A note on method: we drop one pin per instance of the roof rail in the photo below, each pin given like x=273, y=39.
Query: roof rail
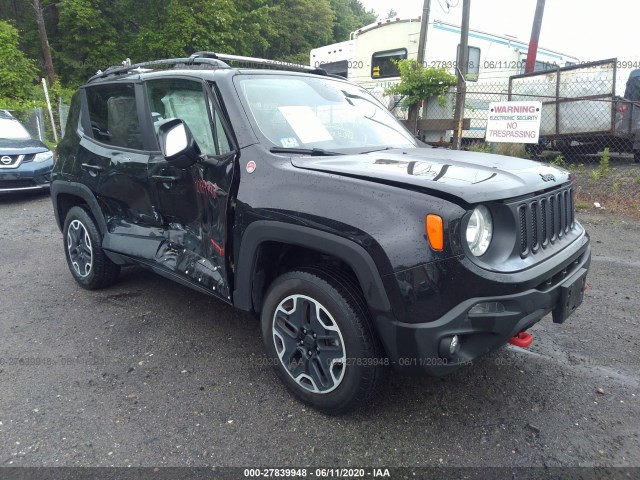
x=260, y=61
x=206, y=58
x=192, y=60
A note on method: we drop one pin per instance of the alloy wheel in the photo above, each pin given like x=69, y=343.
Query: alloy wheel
x=80, y=249
x=309, y=344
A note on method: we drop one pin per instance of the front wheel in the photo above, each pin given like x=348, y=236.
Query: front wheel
x=317, y=332
x=88, y=264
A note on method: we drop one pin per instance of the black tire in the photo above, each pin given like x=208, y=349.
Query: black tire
x=362, y=364
x=82, y=242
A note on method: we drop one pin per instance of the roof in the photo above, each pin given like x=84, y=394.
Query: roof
x=201, y=61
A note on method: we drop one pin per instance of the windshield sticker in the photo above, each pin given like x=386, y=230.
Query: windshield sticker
x=289, y=142
x=305, y=124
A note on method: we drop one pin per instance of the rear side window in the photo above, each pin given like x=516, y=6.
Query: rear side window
x=383, y=63
x=114, y=115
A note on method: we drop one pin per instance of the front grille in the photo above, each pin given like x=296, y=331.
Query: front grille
x=545, y=223
x=11, y=161
x=544, y=220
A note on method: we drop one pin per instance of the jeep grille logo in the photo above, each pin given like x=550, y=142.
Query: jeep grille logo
x=548, y=177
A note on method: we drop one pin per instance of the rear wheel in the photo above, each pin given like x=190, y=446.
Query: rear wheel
x=87, y=262
x=318, y=334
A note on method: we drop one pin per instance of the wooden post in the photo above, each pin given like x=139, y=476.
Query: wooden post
x=44, y=41
x=413, y=109
x=461, y=89
x=53, y=122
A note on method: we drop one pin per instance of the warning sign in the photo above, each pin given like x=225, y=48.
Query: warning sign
x=514, y=122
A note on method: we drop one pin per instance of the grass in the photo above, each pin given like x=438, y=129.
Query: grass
x=615, y=188
x=614, y=183
x=508, y=149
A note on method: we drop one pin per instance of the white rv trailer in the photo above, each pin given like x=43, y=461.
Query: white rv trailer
x=367, y=59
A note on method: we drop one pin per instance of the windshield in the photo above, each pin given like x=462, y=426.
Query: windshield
x=308, y=112
x=10, y=128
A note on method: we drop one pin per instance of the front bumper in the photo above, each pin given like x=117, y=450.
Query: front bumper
x=28, y=176
x=423, y=347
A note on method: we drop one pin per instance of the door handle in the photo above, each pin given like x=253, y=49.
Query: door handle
x=95, y=168
x=165, y=178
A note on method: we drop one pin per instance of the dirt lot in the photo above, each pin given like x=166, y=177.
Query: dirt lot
x=151, y=373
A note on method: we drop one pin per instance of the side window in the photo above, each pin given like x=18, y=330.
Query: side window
x=473, y=69
x=114, y=115
x=382, y=65
x=223, y=145
x=186, y=100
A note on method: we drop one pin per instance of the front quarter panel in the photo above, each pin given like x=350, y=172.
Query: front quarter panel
x=387, y=221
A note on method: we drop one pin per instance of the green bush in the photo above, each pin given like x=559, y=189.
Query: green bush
x=420, y=83
x=603, y=168
x=18, y=74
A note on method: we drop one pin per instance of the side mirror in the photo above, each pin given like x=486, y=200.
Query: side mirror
x=177, y=143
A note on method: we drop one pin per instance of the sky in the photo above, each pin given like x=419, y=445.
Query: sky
x=584, y=29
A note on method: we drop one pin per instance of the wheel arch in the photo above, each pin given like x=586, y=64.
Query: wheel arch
x=264, y=232
x=66, y=195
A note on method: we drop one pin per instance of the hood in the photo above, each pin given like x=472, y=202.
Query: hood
x=473, y=177
x=11, y=146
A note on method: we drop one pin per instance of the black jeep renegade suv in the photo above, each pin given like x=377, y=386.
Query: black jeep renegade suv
x=296, y=196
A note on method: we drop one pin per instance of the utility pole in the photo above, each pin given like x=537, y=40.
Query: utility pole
x=463, y=67
x=422, y=43
x=535, y=36
x=413, y=109
x=44, y=41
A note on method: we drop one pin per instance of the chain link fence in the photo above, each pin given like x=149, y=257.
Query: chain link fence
x=34, y=121
x=38, y=122
x=590, y=125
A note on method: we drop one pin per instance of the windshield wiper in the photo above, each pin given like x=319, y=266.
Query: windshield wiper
x=379, y=150
x=314, y=152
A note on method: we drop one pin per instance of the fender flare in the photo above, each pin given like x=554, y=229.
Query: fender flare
x=346, y=250
x=81, y=191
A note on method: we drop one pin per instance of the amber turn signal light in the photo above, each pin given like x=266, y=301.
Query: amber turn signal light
x=435, y=231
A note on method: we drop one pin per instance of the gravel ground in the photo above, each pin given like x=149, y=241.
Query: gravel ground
x=151, y=373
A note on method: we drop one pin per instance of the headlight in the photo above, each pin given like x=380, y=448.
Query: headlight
x=43, y=156
x=479, y=230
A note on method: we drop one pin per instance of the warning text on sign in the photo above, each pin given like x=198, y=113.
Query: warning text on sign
x=514, y=122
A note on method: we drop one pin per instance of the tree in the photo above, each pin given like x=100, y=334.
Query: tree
x=17, y=72
x=299, y=26
x=362, y=15
x=171, y=28
x=253, y=24
x=349, y=16
x=87, y=39
x=88, y=35
x=44, y=41
x=392, y=14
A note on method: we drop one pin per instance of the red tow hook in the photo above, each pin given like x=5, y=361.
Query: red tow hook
x=523, y=340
